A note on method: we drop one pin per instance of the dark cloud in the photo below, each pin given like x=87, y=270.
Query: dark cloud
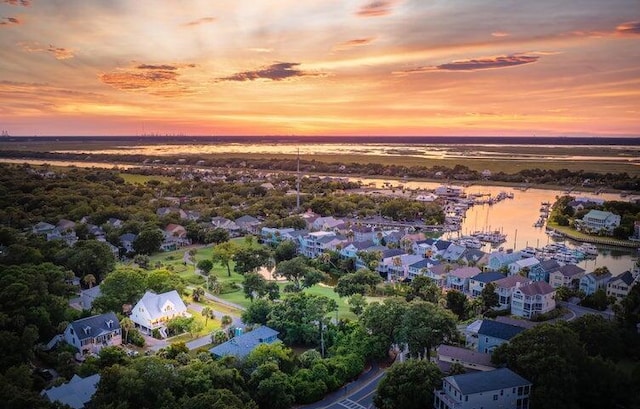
x=157, y=67
x=9, y=20
x=631, y=27
x=203, y=20
x=276, y=72
x=25, y=3
x=376, y=8
x=358, y=42
x=60, y=53
x=486, y=63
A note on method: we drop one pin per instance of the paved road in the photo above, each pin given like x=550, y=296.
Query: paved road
x=578, y=311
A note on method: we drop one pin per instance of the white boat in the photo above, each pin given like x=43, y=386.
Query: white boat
x=588, y=248
x=528, y=252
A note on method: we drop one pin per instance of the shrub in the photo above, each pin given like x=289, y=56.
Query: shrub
x=136, y=338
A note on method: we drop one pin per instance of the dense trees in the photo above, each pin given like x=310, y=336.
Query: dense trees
x=148, y=241
x=299, y=273
x=408, y=385
x=360, y=282
x=249, y=260
x=88, y=257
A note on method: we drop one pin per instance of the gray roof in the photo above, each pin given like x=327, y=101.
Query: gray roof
x=242, y=345
x=499, y=330
x=488, y=277
x=442, y=244
x=425, y=262
x=392, y=253
x=92, y=327
x=625, y=277
x=155, y=302
x=247, y=219
x=473, y=254
x=465, y=355
x=74, y=393
x=549, y=265
x=361, y=245
x=536, y=288
x=130, y=237
x=478, y=382
x=569, y=270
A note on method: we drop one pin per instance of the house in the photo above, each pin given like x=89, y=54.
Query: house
x=479, y=281
x=365, y=233
x=88, y=296
x=501, y=388
x=424, y=248
x=166, y=211
x=400, y=269
x=505, y=288
x=326, y=223
x=523, y=265
x=126, y=241
x=499, y=259
x=421, y=268
x=541, y=271
x=315, y=243
x=42, y=228
x=599, y=221
x=351, y=250
x=89, y=335
x=492, y=334
x=192, y=215
x=154, y=310
x=532, y=299
x=66, y=226
x=472, y=257
x=439, y=273
x=68, y=236
x=175, y=236
x=388, y=258
x=225, y=224
x=592, y=282
x=440, y=246
x=453, y=252
x=115, y=222
x=242, y=345
x=76, y=393
x=458, y=279
x=620, y=286
x=273, y=236
x=248, y=224
x=568, y=276
x=360, y=263
x=471, y=360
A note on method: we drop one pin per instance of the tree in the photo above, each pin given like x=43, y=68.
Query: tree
x=89, y=280
x=219, y=337
x=489, y=296
x=371, y=259
x=408, y=385
x=249, y=260
x=271, y=388
x=301, y=318
x=217, y=236
x=254, y=285
x=126, y=324
x=425, y=325
x=162, y=280
x=223, y=253
x=88, y=257
x=197, y=293
x=206, y=313
x=142, y=260
x=226, y=320
x=122, y=286
x=458, y=303
x=148, y=241
x=257, y=312
x=205, y=266
x=299, y=273
x=357, y=303
x=381, y=323
x=359, y=282
x=425, y=289
x=285, y=250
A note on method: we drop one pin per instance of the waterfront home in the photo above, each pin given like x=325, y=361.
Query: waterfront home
x=440, y=246
x=505, y=288
x=399, y=269
x=620, y=286
x=568, y=276
x=598, y=221
x=248, y=224
x=458, y=279
x=91, y=334
x=448, y=355
x=76, y=393
x=242, y=345
x=522, y=266
x=500, y=388
x=479, y=281
x=154, y=310
x=424, y=248
x=592, y=282
x=491, y=334
x=500, y=259
x=472, y=257
x=533, y=299
x=541, y=271
x=453, y=252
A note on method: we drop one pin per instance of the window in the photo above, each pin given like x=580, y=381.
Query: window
x=466, y=398
x=495, y=397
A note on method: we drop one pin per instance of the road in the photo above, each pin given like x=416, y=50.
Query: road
x=355, y=395
x=578, y=311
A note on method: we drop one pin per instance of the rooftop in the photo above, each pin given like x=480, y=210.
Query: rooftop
x=478, y=382
x=242, y=345
x=499, y=330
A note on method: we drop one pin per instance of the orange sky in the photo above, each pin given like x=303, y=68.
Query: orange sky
x=320, y=67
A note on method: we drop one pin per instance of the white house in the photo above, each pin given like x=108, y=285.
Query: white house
x=505, y=288
x=533, y=299
x=523, y=264
x=568, y=276
x=458, y=279
x=154, y=310
x=91, y=334
x=598, y=220
x=479, y=281
x=620, y=286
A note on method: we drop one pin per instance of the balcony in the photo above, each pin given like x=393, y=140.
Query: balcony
x=446, y=399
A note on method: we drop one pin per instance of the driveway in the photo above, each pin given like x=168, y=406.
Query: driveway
x=578, y=311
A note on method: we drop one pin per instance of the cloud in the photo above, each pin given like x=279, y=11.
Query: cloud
x=59, y=53
x=203, y=20
x=631, y=27
x=485, y=63
x=276, y=72
x=500, y=34
x=159, y=79
x=357, y=42
x=25, y=3
x=9, y=20
x=376, y=8
x=261, y=50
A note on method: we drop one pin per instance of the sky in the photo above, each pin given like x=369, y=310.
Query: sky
x=320, y=67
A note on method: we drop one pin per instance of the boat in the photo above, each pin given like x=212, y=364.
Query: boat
x=588, y=249
x=528, y=252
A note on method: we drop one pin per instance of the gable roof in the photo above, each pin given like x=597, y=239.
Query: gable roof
x=424, y=263
x=549, y=265
x=465, y=355
x=476, y=382
x=247, y=219
x=465, y=272
x=499, y=330
x=392, y=253
x=625, y=277
x=153, y=303
x=361, y=245
x=598, y=215
x=473, y=254
x=442, y=244
x=242, y=345
x=570, y=270
x=96, y=325
x=536, y=288
x=488, y=277
x=74, y=393
x=511, y=281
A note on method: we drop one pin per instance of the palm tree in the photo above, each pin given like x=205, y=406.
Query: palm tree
x=206, y=313
x=225, y=320
x=89, y=280
x=197, y=293
x=219, y=337
x=126, y=324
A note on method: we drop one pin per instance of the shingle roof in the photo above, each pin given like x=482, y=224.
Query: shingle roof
x=569, y=270
x=549, y=265
x=425, y=262
x=242, y=345
x=154, y=302
x=499, y=330
x=392, y=253
x=537, y=288
x=464, y=354
x=92, y=327
x=511, y=281
x=477, y=382
x=442, y=244
x=74, y=393
x=465, y=272
x=488, y=277
x=625, y=277
x=361, y=245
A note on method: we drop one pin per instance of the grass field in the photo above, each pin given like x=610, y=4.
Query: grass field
x=142, y=179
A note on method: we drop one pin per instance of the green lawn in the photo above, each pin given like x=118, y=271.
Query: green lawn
x=142, y=179
x=212, y=325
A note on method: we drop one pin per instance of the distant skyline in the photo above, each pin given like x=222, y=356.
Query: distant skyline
x=326, y=67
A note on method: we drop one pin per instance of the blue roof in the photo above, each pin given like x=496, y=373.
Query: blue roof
x=96, y=325
x=488, y=277
x=242, y=345
x=423, y=263
x=499, y=330
x=478, y=382
x=442, y=244
x=74, y=393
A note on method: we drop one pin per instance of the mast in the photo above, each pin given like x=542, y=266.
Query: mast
x=298, y=184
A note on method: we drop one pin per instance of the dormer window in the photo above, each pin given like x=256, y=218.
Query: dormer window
x=110, y=323
x=87, y=330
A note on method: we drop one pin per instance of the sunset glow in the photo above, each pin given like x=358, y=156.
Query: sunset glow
x=355, y=67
